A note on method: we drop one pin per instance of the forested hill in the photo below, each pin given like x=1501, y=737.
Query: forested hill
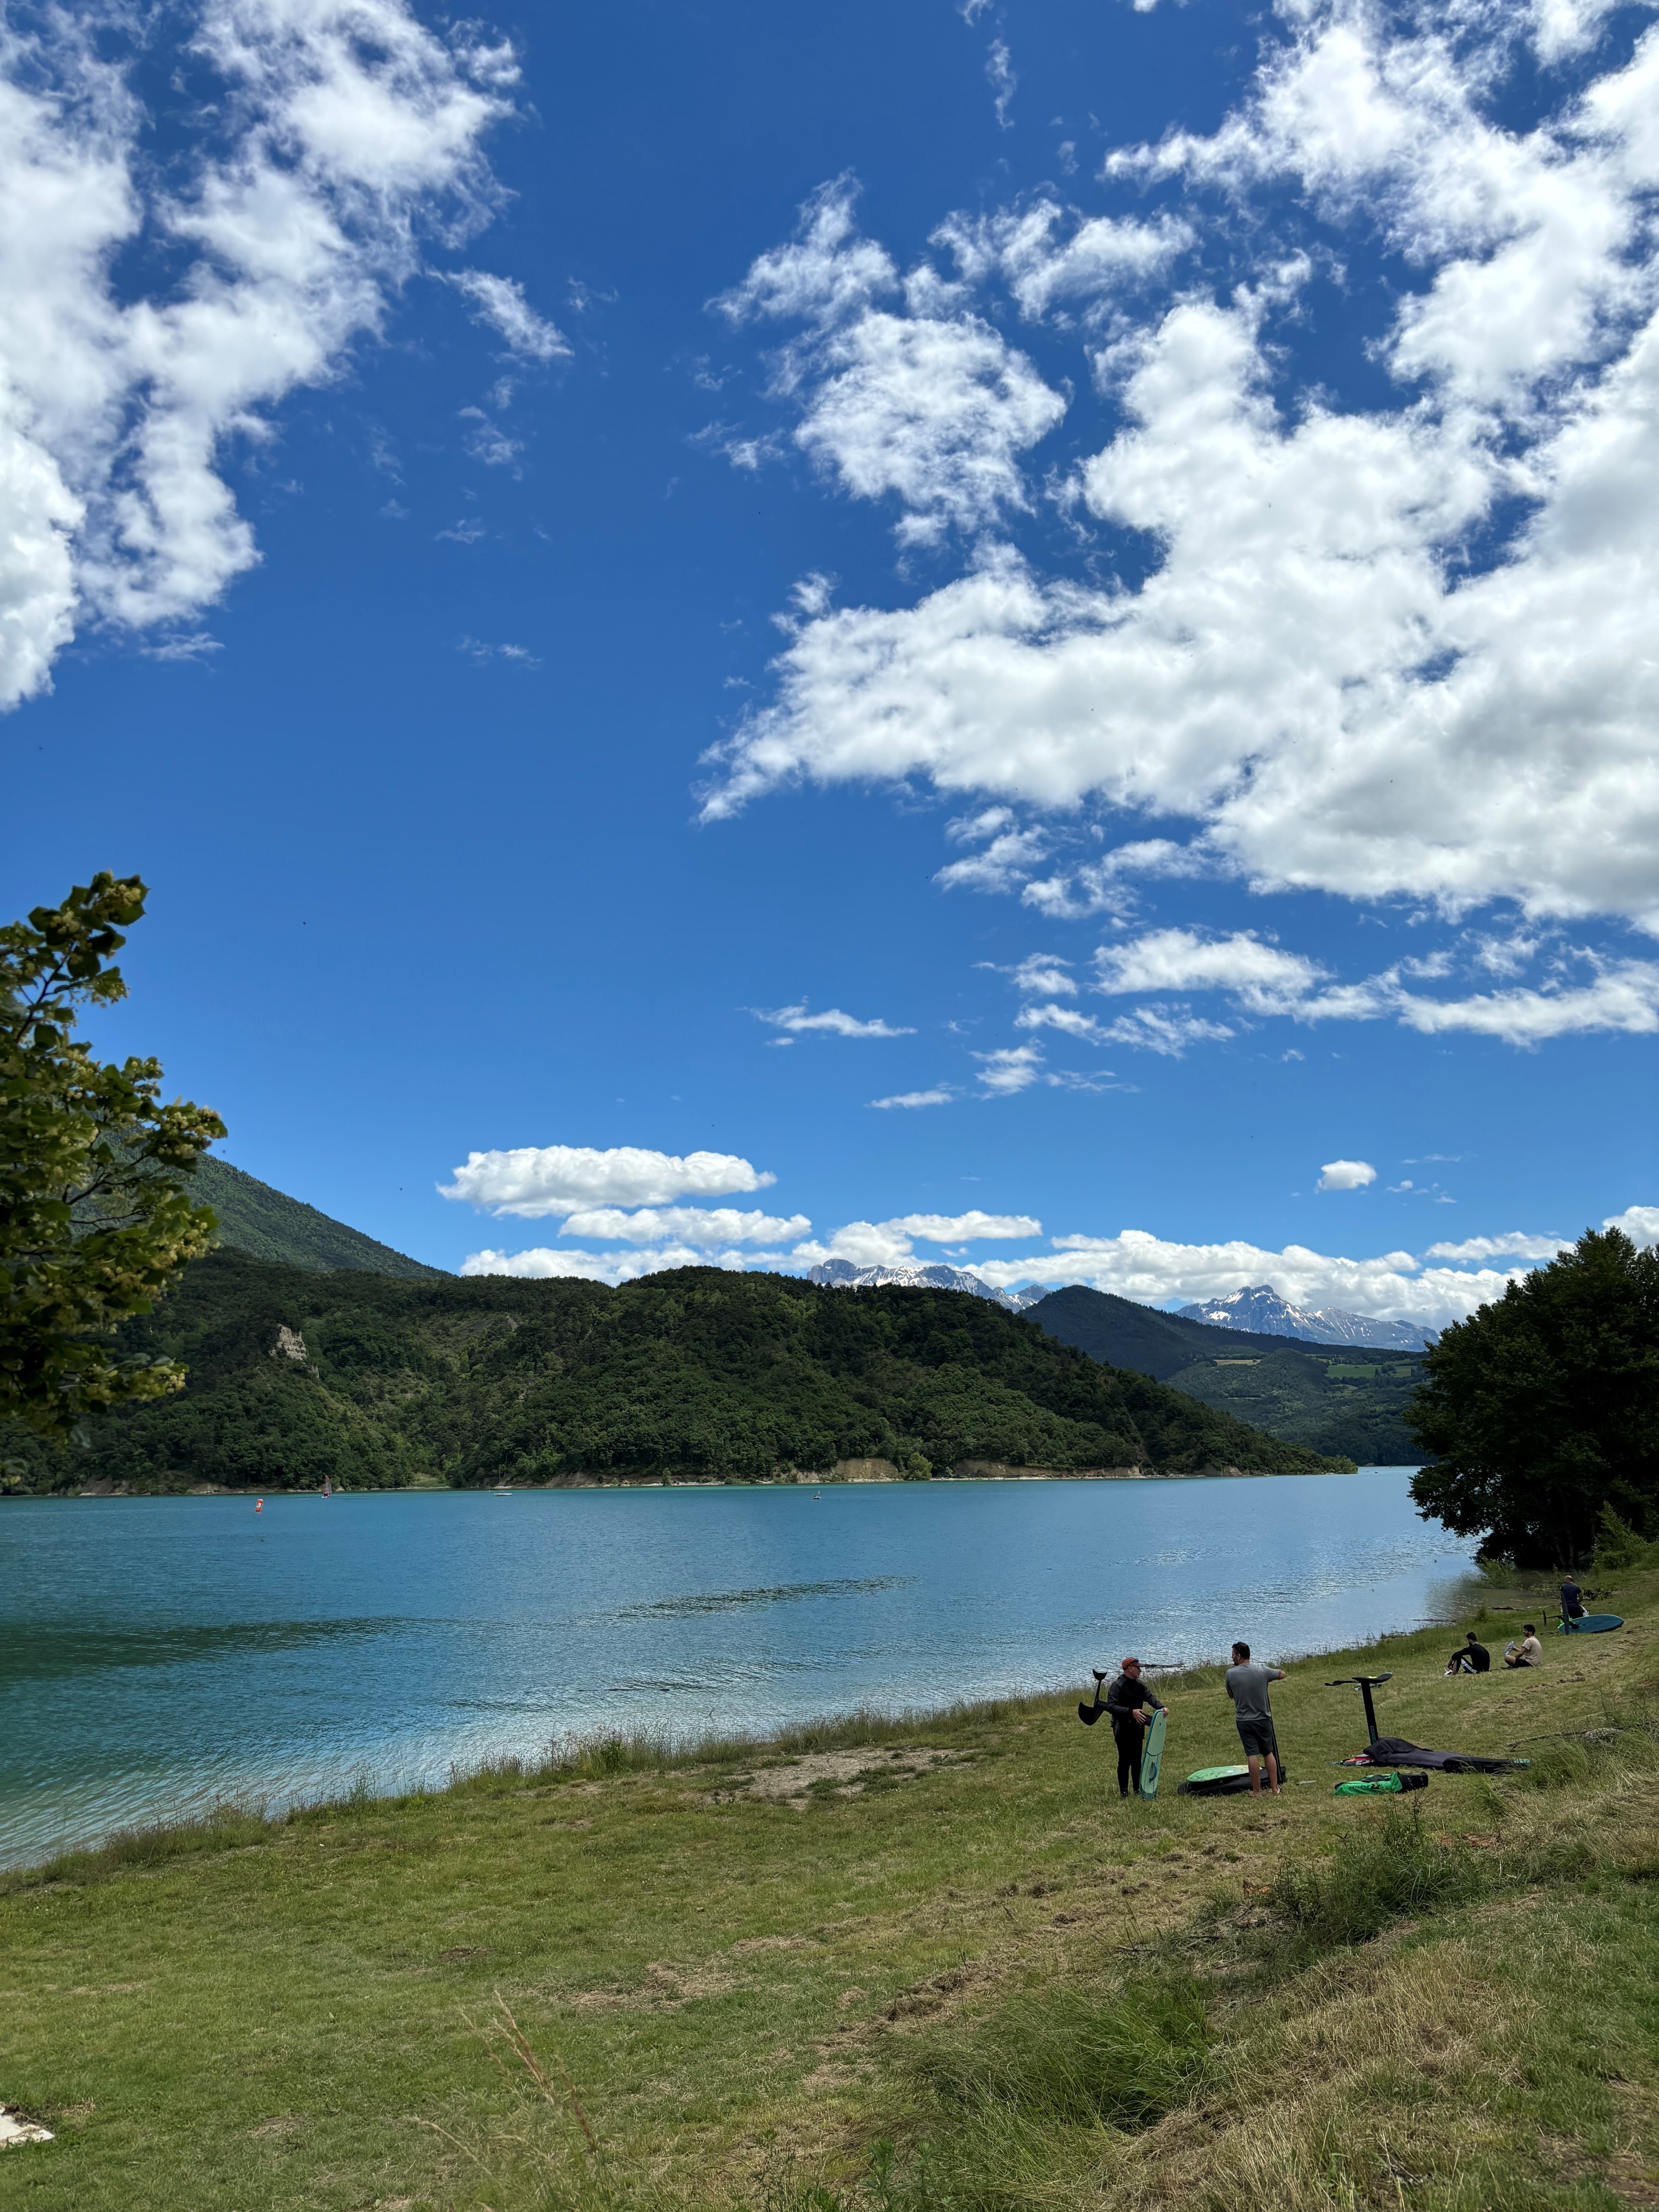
x=1346, y=1398
x=696, y=1375
x=256, y=1218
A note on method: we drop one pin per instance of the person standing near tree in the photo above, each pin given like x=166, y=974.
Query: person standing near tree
x=1126, y=1696
x=1247, y=1686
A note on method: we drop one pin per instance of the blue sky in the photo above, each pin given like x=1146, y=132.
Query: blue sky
x=638, y=580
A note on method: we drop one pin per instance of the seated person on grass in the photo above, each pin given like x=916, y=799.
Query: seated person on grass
x=1529, y=1652
x=1472, y=1657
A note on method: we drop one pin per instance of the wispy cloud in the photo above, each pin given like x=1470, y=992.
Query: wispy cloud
x=832, y=1022
x=500, y=302
x=939, y=1097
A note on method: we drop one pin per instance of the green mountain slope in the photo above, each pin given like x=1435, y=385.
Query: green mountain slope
x=253, y=1218
x=1346, y=1399
x=695, y=1375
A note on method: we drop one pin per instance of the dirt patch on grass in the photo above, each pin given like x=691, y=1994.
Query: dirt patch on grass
x=833, y=1774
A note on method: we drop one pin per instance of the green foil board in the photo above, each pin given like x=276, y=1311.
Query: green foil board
x=1152, y=1757
x=1217, y=1774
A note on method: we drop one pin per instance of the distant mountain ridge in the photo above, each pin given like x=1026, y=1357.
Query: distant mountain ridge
x=1337, y=1399
x=1264, y=1313
x=269, y=1225
x=931, y=1276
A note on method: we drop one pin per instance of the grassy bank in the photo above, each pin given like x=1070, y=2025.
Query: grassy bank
x=877, y=1966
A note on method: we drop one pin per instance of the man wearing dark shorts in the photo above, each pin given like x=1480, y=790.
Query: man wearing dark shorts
x=1247, y=1686
x=1125, y=1695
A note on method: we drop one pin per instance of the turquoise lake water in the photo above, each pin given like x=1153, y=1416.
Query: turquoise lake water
x=158, y=1653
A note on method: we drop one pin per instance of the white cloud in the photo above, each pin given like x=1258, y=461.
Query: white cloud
x=705, y=1227
x=940, y=1097
x=1516, y=1246
x=1153, y=1269
x=1345, y=1174
x=556, y=1179
x=1166, y=1029
x=999, y=865
x=1000, y=75
x=866, y=1244
x=1102, y=256
x=965, y=1227
x=1623, y=999
x=825, y=273
x=1069, y=1020
x=500, y=301
x=1262, y=978
x=332, y=130
x=1043, y=972
x=1639, y=1223
x=1393, y=650
x=934, y=412
x=934, y=408
x=545, y=1262
x=1009, y=1069
x=831, y=1022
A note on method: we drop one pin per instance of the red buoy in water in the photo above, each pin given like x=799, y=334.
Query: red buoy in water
x=258, y=1504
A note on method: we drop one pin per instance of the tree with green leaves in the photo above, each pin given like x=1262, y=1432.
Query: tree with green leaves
x=95, y=1220
x=1542, y=1408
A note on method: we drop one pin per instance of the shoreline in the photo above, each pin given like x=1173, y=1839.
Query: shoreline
x=637, y=1750
x=100, y=1491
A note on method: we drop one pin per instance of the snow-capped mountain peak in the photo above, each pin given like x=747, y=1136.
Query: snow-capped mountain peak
x=1262, y=1311
x=920, y=1277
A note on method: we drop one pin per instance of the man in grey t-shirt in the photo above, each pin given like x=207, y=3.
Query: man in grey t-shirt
x=1247, y=1686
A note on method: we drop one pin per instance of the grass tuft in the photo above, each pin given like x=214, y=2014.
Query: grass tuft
x=1392, y=1868
x=1125, y=2056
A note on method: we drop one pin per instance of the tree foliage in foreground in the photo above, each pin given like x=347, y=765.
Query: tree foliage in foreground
x=1542, y=1408
x=94, y=1220
x=695, y=1375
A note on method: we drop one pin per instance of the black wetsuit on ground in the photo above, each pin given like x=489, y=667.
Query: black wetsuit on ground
x=1124, y=1699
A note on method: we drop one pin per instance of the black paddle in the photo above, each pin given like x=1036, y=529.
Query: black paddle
x=1089, y=1713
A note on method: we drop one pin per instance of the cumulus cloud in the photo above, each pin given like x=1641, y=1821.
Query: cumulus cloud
x=965, y=1227
x=535, y=1181
x=1345, y=1174
x=890, y=1243
x=928, y=405
x=706, y=1227
x=1154, y=1270
x=1391, y=650
x=830, y=1022
x=546, y=1262
x=1639, y=1223
x=1046, y=255
x=331, y=132
x=500, y=302
x=1261, y=977
x=1515, y=1246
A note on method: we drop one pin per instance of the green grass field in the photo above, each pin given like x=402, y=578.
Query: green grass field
x=888, y=1969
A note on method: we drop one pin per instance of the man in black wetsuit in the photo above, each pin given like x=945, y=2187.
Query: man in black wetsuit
x=1125, y=1694
x=1471, y=1658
